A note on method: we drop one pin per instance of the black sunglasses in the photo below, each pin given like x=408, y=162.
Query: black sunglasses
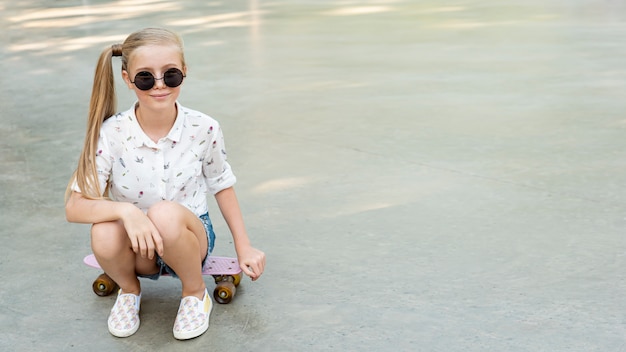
x=172, y=78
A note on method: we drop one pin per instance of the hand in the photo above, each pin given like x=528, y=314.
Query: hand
x=143, y=235
x=251, y=261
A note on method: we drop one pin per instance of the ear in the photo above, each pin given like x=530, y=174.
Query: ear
x=127, y=79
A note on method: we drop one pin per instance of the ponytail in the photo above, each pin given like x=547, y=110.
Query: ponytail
x=103, y=104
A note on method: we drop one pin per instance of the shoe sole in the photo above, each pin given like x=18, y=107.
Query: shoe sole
x=124, y=333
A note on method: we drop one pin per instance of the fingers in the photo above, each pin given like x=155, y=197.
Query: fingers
x=143, y=245
x=134, y=243
x=158, y=242
x=254, y=268
x=148, y=250
x=249, y=271
x=145, y=239
x=153, y=242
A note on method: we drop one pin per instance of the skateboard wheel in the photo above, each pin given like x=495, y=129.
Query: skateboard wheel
x=224, y=292
x=103, y=285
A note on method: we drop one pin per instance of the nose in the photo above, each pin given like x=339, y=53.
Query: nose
x=159, y=82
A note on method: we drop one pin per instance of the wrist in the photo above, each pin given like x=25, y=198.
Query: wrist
x=126, y=210
x=242, y=242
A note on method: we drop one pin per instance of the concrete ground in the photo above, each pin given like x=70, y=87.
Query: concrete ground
x=422, y=175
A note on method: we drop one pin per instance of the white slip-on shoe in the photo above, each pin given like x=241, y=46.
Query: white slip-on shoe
x=192, y=319
x=124, y=318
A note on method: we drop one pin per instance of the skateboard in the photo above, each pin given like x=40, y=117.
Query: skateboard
x=225, y=271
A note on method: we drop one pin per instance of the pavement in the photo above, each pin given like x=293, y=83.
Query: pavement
x=422, y=175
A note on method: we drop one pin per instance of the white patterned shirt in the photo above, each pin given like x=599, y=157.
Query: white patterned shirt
x=182, y=167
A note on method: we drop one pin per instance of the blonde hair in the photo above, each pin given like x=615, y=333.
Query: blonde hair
x=103, y=103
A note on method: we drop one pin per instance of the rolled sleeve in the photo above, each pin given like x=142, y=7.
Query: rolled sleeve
x=217, y=170
x=225, y=180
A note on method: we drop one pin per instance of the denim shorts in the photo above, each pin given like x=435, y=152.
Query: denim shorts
x=165, y=269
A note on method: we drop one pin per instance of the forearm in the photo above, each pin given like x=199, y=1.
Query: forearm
x=90, y=211
x=229, y=206
x=251, y=260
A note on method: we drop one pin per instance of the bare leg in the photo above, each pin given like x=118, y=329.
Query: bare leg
x=112, y=248
x=184, y=244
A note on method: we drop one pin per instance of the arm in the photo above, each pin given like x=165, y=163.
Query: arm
x=91, y=211
x=144, y=236
x=251, y=260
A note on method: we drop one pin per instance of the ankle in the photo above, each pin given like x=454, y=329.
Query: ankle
x=198, y=293
x=132, y=292
x=130, y=286
x=135, y=290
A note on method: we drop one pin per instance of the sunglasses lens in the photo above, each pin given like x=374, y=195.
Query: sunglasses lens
x=173, y=77
x=144, y=80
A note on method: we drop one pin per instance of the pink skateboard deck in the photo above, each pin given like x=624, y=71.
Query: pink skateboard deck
x=225, y=271
x=212, y=266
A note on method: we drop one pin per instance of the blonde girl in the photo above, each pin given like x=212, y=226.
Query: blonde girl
x=142, y=182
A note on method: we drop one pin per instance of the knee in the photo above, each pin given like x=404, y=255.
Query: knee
x=162, y=210
x=108, y=238
x=167, y=217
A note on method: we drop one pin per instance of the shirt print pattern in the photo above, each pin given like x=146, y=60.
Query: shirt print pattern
x=183, y=166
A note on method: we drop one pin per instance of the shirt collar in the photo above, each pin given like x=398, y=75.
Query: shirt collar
x=138, y=136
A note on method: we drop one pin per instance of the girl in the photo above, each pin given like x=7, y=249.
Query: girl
x=142, y=180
